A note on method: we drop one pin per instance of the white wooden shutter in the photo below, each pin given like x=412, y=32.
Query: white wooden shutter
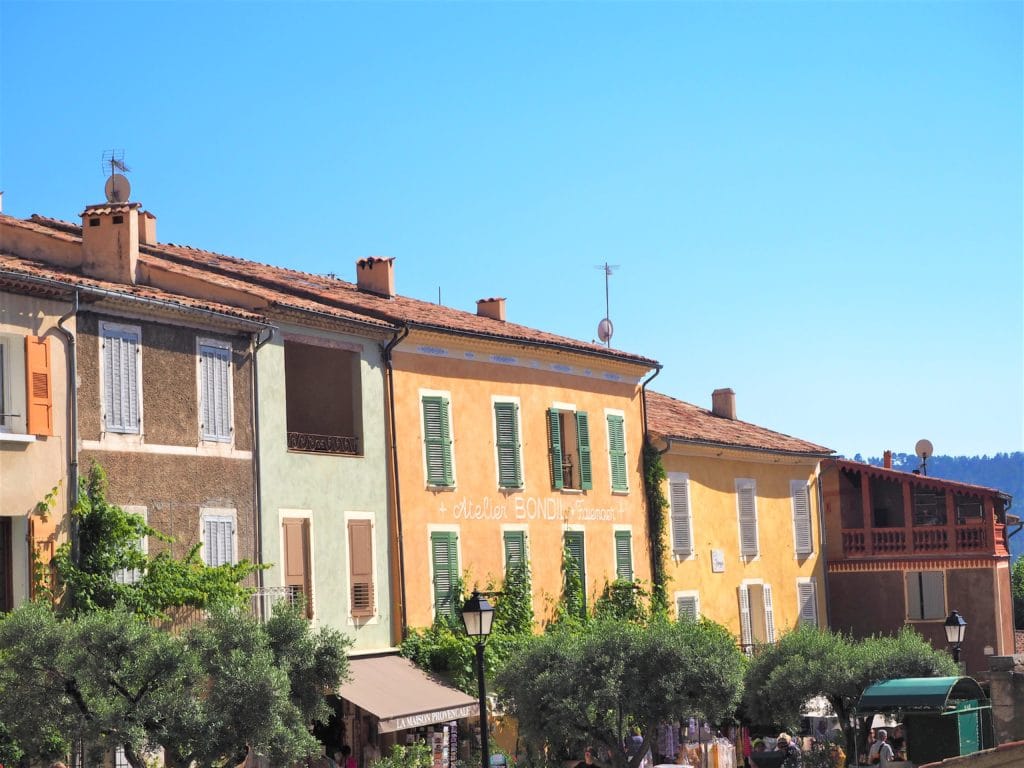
x=688, y=607
x=802, y=541
x=679, y=513
x=747, y=503
x=120, y=380
x=218, y=544
x=769, y=614
x=933, y=589
x=914, y=595
x=215, y=391
x=807, y=596
x=746, y=631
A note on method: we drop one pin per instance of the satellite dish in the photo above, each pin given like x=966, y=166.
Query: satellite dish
x=118, y=189
x=605, y=329
x=924, y=449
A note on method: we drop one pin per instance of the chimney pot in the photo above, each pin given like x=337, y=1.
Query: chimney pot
x=723, y=403
x=110, y=241
x=376, y=274
x=147, y=228
x=493, y=308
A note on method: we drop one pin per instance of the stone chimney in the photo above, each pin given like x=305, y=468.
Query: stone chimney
x=147, y=228
x=110, y=241
x=493, y=308
x=887, y=459
x=723, y=403
x=376, y=274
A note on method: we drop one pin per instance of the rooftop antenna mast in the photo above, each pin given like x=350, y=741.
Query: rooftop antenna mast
x=117, y=189
x=605, y=329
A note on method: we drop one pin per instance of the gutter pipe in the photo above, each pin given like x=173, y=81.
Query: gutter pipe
x=257, y=344
x=72, y=415
x=390, y=369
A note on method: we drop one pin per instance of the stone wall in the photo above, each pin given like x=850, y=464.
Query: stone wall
x=1006, y=681
x=1009, y=755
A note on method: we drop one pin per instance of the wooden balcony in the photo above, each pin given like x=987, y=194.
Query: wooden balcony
x=972, y=538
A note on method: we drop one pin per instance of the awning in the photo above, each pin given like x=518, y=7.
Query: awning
x=919, y=693
x=403, y=696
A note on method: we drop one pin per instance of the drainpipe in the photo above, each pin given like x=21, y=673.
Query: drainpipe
x=390, y=368
x=643, y=398
x=257, y=345
x=72, y=438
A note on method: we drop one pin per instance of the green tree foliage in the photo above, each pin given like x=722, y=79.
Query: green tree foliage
x=107, y=543
x=416, y=755
x=114, y=680
x=809, y=662
x=657, y=509
x=590, y=683
x=1017, y=586
x=623, y=600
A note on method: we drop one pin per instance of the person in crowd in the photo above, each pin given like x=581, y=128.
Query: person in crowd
x=881, y=751
x=791, y=751
x=899, y=743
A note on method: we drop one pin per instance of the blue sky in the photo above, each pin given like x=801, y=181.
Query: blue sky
x=816, y=204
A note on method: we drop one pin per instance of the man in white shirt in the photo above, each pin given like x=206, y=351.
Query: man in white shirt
x=881, y=750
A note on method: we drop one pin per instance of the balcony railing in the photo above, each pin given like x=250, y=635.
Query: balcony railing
x=917, y=540
x=307, y=442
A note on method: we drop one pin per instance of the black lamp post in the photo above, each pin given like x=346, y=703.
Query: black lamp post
x=477, y=615
x=956, y=628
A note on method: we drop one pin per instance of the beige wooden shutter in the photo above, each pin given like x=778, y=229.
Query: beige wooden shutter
x=296, y=562
x=802, y=541
x=679, y=512
x=745, y=499
x=360, y=559
x=807, y=594
x=746, y=631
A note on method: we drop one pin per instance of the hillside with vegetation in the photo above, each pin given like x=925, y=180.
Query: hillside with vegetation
x=1003, y=471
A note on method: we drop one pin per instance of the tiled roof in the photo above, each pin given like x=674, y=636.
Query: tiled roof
x=677, y=420
x=91, y=210
x=896, y=474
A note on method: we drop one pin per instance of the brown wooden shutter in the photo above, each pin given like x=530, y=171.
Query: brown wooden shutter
x=296, y=561
x=360, y=558
x=38, y=385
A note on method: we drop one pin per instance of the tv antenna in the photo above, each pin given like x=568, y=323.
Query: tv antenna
x=117, y=188
x=605, y=329
x=924, y=449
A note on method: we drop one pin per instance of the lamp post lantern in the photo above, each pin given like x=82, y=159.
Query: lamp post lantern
x=477, y=615
x=956, y=628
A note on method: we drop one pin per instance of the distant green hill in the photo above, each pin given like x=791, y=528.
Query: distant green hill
x=1003, y=471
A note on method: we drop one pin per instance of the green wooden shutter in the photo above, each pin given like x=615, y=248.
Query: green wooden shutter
x=583, y=440
x=555, y=447
x=446, y=571
x=515, y=554
x=577, y=560
x=617, y=453
x=510, y=473
x=624, y=555
x=437, y=440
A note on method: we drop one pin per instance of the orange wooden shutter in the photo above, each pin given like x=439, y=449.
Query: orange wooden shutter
x=296, y=560
x=360, y=542
x=38, y=386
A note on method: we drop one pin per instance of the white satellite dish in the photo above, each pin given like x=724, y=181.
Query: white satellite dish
x=118, y=190
x=924, y=449
x=605, y=329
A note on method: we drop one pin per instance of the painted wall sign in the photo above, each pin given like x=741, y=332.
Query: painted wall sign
x=520, y=508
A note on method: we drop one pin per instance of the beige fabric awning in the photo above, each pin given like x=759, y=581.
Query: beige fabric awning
x=402, y=695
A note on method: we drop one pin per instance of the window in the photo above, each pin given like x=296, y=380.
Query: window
x=926, y=595
x=576, y=573
x=215, y=390
x=687, y=606
x=6, y=566
x=132, y=575
x=569, y=444
x=218, y=537
x=679, y=514
x=757, y=615
x=445, y=558
x=120, y=760
x=515, y=553
x=26, y=399
x=122, y=378
x=624, y=555
x=297, y=573
x=803, y=543
x=617, y=452
x=323, y=396
x=360, y=559
x=968, y=508
x=746, y=503
x=506, y=430
x=437, y=441
x=807, y=599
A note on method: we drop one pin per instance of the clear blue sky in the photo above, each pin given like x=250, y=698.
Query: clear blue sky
x=816, y=204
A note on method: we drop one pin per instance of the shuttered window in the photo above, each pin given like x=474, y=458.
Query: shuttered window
x=121, y=385
x=133, y=575
x=926, y=595
x=515, y=552
x=218, y=539
x=506, y=427
x=583, y=446
x=746, y=502
x=38, y=386
x=807, y=596
x=577, y=562
x=746, y=627
x=679, y=514
x=445, y=556
x=624, y=555
x=569, y=455
x=437, y=440
x=617, y=452
x=687, y=607
x=802, y=541
x=769, y=613
x=360, y=558
x=297, y=571
x=555, y=448
x=215, y=391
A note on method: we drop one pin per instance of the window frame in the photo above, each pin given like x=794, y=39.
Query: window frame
x=219, y=514
x=446, y=439
x=514, y=531
x=224, y=346
x=687, y=594
x=941, y=614
x=622, y=533
x=518, y=482
x=13, y=390
x=556, y=439
x=109, y=330
x=614, y=416
x=579, y=532
x=130, y=575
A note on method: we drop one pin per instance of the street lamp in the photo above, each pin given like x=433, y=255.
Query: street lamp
x=477, y=615
x=956, y=628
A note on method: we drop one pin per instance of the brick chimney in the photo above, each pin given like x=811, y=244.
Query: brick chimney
x=887, y=459
x=493, y=308
x=376, y=274
x=723, y=403
x=110, y=241
x=147, y=228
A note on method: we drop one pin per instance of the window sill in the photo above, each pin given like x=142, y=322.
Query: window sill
x=570, y=490
x=16, y=437
x=620, y=491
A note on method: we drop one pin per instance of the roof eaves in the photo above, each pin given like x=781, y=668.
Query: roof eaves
x=825, y=453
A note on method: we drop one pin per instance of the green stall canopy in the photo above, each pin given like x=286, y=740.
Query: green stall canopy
x=920, y=693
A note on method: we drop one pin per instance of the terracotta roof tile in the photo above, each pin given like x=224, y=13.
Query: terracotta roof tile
x=91, y=210
x=926, y=480
x=678, y=420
